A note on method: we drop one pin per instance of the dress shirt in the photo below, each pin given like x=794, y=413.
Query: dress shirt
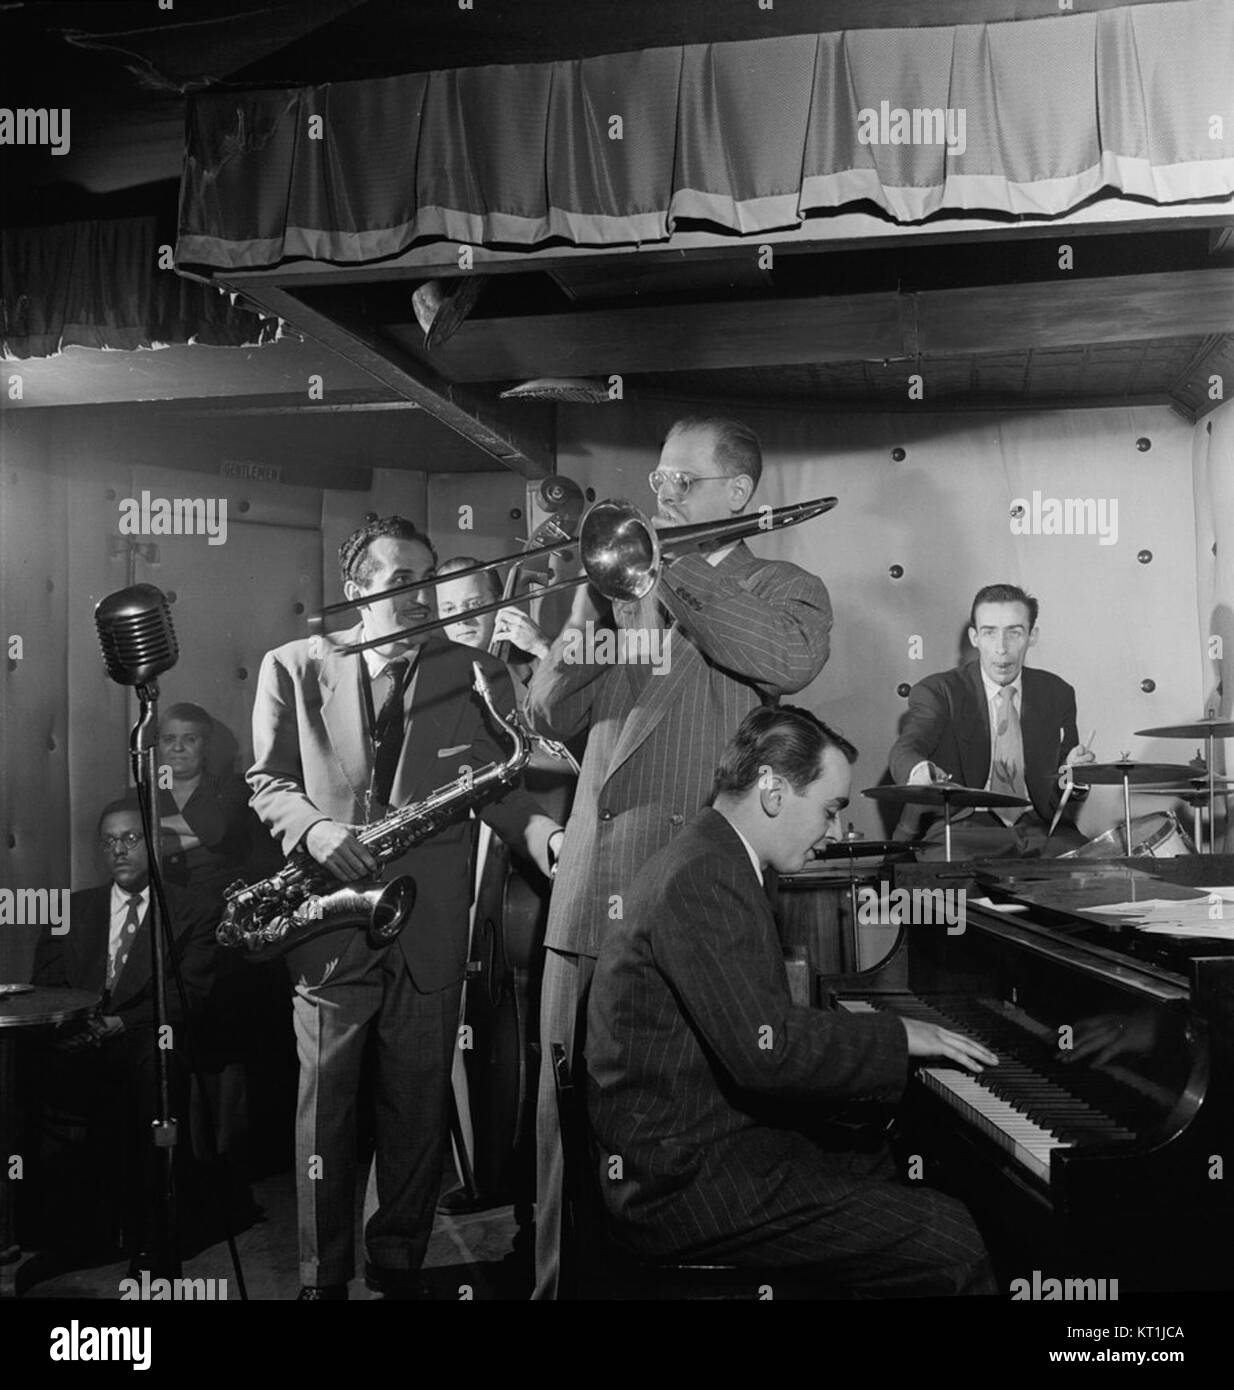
x=918, y=777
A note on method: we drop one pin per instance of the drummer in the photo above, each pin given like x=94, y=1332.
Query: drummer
x=997, y=725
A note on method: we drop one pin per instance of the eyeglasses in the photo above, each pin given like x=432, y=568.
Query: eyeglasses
x=682, y=482
x=191, y=740
x=130, y=840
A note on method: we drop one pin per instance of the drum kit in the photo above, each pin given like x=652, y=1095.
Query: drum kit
x=1157, y=835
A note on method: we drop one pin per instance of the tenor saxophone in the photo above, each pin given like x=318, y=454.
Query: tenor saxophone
x=304, y=899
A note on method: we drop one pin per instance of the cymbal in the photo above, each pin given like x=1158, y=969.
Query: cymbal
x=1112, y=774
x=1193, y=796
x=857, y=849
x=943, y=793
x=1202, y=728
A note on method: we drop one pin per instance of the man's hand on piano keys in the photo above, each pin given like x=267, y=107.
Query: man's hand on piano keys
x=1103, y=1037
x=929, y=1040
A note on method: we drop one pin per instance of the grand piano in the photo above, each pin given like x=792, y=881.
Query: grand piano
x=1099, y=1146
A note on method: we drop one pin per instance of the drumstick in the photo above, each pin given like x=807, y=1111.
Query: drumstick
x=1066, y=797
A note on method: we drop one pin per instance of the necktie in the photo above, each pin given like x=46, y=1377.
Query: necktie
x=1007, y=761
x=128, y=934
x=388, y=733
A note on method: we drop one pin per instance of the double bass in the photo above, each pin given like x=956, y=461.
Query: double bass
x=501, y=1001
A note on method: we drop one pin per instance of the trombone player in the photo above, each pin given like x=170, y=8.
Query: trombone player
x=744, y=632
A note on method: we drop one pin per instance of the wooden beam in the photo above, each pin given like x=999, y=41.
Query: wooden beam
x=839, y=328
x=1071, y=312
x=748, y=333
x=996, y=403
x=525, y=447
x=841, y=231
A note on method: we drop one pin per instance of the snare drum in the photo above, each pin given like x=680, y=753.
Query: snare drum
x=1155, y=836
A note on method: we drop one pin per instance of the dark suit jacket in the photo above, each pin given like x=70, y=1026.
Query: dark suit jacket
x=312, y=762
x=698, y=1060
x=78, y=959
x=748, y=631
x=948, y=723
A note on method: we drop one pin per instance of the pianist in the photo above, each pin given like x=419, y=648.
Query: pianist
x=732, y=1110
x=1000, y=726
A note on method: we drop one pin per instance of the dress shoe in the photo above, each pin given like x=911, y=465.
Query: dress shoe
x=403, y=1285
x=458, y=1202
x=322, y=1293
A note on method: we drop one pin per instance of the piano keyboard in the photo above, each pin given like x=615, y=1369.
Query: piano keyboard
x=1022, y=1106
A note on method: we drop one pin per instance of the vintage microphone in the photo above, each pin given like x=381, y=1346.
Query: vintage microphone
x=139, y=645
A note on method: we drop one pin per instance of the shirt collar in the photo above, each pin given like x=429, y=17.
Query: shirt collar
x=992, y=688
x=715, y=556
x=120, y=898
x=377, y=664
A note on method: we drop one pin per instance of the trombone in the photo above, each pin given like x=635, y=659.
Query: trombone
x=622, y=553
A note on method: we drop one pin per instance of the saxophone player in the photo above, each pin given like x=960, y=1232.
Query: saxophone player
x=339, y=741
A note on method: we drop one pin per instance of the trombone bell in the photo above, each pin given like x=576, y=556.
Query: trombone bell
x=620, y=550
x=623, y=553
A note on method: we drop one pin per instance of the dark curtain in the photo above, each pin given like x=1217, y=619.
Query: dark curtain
x=98, y=284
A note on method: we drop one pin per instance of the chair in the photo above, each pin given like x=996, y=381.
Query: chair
x=594, y=1266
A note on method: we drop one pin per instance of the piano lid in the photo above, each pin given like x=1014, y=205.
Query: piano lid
x=1073, y=900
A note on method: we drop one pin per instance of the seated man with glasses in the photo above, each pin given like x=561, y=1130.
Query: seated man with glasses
x=100, y=1076
x=742, y=632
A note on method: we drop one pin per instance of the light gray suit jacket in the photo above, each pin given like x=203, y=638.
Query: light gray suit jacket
x=312, y=762
x=747, y=631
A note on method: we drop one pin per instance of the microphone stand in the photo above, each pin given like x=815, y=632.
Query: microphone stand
x=143, y=746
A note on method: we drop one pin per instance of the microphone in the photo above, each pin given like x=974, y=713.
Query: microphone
x=136, y=635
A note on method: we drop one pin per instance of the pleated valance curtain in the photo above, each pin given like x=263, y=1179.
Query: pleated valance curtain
x=1030, y=117
x=99, y=284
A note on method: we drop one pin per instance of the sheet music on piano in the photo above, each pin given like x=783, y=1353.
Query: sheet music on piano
x=1205, y=915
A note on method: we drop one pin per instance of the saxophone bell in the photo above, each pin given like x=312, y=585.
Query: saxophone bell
x=380, y=911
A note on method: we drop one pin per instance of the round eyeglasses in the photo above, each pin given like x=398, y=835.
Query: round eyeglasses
x=682, y=482
x=130, y=840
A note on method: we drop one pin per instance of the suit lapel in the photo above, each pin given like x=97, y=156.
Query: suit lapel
x=1041, y=750
x=342, y=711
x=87, y=948
x=973, y=729
x=661, y=693
x=436, y=714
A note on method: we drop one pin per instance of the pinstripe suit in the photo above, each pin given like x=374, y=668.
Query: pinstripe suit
x=747, y=631
x=699, y=1066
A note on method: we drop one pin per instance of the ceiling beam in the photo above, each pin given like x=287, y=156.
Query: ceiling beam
x=525, y=446
x=840, y=231
x=883, y=326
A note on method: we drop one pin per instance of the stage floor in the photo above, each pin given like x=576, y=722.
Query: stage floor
x=475, y=1251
